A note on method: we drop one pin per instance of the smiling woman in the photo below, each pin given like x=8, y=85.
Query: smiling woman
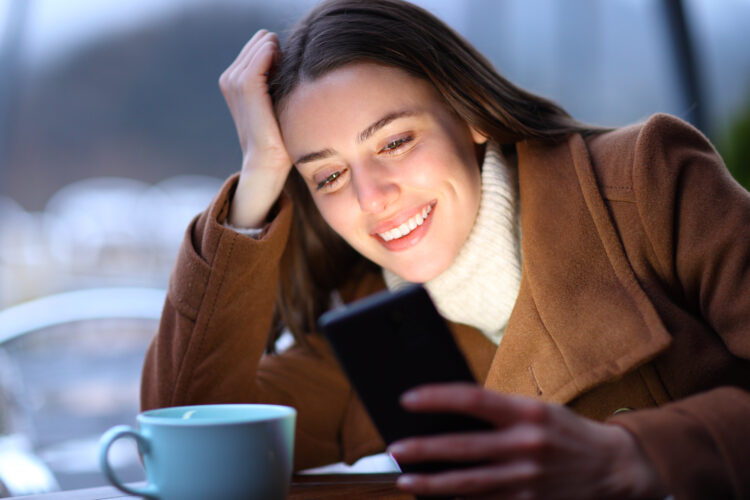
x=385, y=161
x=582, y=269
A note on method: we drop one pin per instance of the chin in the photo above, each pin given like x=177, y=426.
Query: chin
x=420, y=273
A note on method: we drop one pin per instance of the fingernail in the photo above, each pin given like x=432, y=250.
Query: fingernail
x=396, y=449
x=409, y=397
x=405, y=480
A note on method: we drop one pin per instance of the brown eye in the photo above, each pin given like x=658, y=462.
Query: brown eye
x=394, y=145
x=328, y=180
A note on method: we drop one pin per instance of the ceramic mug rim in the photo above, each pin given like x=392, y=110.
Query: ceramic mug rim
x=271, y=412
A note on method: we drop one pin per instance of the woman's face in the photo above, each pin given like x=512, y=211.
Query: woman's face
x=391, y=168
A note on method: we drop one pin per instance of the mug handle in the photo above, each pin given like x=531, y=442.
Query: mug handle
x=107, y=439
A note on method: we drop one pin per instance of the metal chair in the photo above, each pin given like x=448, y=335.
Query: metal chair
x=70, y=366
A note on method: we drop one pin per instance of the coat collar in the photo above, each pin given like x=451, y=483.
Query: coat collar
x=581, y=318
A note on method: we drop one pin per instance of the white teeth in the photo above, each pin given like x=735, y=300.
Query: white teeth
x=406, y=227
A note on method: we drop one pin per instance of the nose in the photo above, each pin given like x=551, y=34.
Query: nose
x=374, y=187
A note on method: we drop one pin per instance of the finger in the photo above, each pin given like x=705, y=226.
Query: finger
x=240, y=57
x=248, y=47
x=448, y=447
x=252, y=87
x=253, y=51
x=248, y=52
x=497, y=446
x=472, y=481
x=499, y=409
x=260, y=66
x=266, y=42
x=252, y=73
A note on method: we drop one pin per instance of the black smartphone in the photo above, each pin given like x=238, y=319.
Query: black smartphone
x=390, y=342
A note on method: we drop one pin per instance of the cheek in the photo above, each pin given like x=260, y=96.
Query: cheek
x=334, y=213
x=474, y=183
x=425, y=168
x=471, y=193
x=444, y=168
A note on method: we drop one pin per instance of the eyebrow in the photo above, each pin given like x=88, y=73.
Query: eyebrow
x=362, y=137
x=317, y=155
x=367, y=133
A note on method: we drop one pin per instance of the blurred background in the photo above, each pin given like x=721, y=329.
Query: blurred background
x=113, y=135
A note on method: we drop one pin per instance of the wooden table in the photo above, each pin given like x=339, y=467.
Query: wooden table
x=304, y=487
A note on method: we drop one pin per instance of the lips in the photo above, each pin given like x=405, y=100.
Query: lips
x=407, y=227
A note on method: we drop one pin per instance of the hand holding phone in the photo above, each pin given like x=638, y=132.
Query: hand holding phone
x=389, y=343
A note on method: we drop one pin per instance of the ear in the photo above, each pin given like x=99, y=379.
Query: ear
x=477, y=136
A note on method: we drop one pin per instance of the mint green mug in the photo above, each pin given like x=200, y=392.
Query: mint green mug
x=241, y=451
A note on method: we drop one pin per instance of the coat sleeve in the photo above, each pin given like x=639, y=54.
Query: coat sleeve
x=211, y=339
x=699, y=220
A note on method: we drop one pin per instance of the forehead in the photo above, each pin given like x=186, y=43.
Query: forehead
x=341, y=103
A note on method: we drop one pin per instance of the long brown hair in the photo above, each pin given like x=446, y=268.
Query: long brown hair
x=318, y=261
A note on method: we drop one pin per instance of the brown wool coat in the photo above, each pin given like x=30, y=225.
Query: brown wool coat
x=635, y=294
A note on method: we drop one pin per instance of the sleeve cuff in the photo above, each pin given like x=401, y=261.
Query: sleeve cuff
x=252, y=232
x=698, y=445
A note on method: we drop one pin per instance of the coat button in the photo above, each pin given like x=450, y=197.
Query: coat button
x=624, y=409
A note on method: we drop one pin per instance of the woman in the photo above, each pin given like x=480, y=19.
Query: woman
x=596, y=280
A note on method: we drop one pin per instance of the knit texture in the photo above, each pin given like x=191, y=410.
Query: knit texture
x=480, y=287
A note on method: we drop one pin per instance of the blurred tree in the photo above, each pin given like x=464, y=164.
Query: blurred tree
x=734, y=146
x=143, y=104
x=687, y=63
x=11, y=46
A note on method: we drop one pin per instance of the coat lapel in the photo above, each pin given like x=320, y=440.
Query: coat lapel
x=581, y=318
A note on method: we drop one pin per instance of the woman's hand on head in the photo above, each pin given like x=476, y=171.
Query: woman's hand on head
x=537, y=450
x=265, y=161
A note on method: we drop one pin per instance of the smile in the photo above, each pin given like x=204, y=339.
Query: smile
x=407, y=227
